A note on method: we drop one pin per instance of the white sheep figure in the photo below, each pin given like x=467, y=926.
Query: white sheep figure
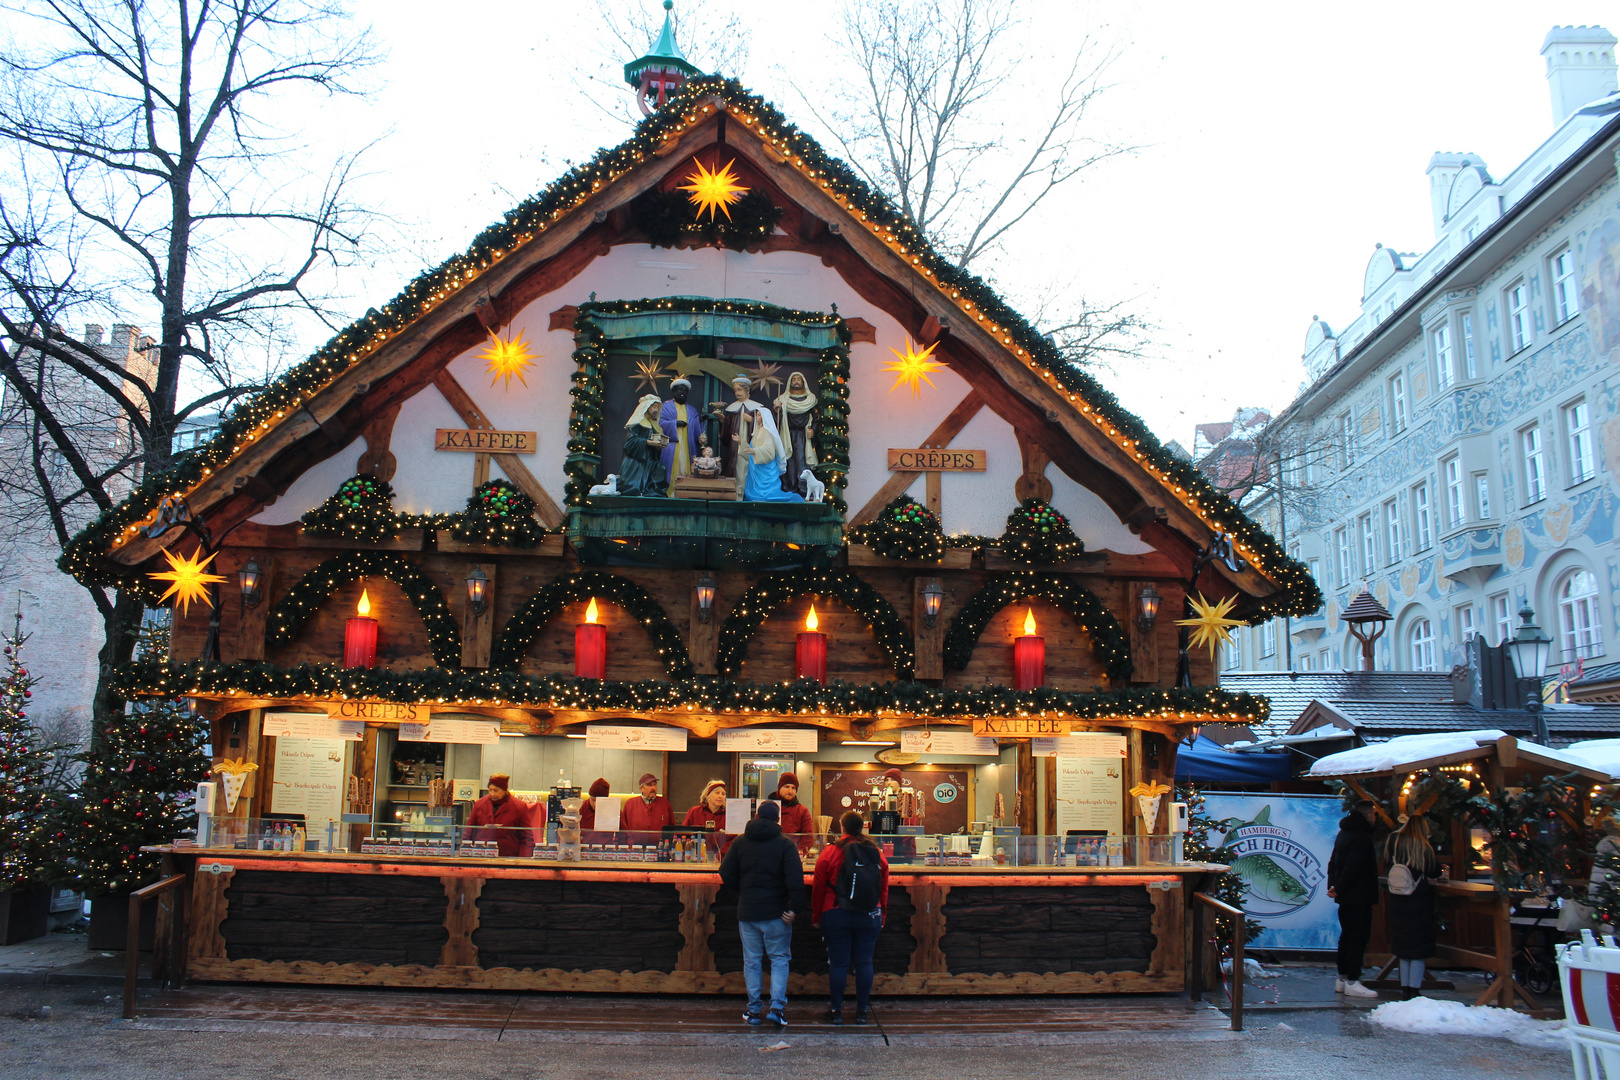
x=814, y=490
x=609, y=487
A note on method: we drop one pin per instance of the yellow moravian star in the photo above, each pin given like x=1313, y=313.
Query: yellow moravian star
x=711, y=191
x=1210, y=625
x=187, y=579
x=913, y=368
x=508, y=357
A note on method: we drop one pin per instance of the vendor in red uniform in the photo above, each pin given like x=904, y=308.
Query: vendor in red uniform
x=710, y=813
x=587, y=810
x=503, y=818
x=647, y=814
x=797, y=824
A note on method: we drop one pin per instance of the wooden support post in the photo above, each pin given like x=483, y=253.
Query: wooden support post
x=928, y=642
x=478, y=627
x=461, y=920
x=1135, y=773
x=250, y=626
x=480, y=470
x=697, y=925
x=1026, y=787
x=1049, y=803
x=933, y=491
x=927, y=928
x=365, y=771
x=703, y=638
x=1144, y=651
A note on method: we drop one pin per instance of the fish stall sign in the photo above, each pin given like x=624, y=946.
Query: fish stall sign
x=1279, y=845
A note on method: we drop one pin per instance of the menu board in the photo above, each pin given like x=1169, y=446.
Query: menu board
x=445, y=730
x=948, y=742
x=305, y=725
x=1083, y=744
x=1090, y=794
x=634, y=737
x=765, y=740
x=945, y=792
x=309, y=779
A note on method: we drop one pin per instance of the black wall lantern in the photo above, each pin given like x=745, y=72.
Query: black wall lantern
x=1148, y=599
x=250, y=580
x=933, y=595
x=705, y=597
x=478, y=590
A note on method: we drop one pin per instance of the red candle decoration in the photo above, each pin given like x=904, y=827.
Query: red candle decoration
x=810, y=660
x=1029, y=656
x=360, y=636
x=590, y=646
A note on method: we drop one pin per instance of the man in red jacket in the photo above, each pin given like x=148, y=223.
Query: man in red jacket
x=503, y=819
x=646, y=816
x=797, y=823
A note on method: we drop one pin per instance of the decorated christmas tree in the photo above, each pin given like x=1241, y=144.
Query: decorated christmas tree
x=140, y=776
x=24, y=836
x=1198, y=846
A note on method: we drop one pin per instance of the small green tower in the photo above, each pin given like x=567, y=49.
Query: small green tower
x=662, y=71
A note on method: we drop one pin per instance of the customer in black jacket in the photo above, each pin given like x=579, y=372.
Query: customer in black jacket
x=1353, y=882
x=764, y=867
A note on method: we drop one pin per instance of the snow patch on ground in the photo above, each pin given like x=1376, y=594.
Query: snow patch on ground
x=1429, y=1016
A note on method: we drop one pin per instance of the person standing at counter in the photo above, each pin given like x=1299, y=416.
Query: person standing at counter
x=502, y=817
x=763, y=866
x=710, y=814
x=587, y=811
x=797, y=823
x=650, y=812
x=849, y=896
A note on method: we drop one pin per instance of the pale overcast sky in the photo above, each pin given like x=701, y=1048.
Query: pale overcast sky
x=1281, y=143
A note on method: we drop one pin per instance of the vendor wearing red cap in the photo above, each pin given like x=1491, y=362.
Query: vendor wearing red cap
x=649, y=812
x=797, y=824
x=502, y=817
x=710, y=814
x=587, y=810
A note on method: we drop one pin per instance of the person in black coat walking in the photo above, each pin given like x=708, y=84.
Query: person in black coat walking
x=764, y=867
x=1353, y=883
x=1411, y=912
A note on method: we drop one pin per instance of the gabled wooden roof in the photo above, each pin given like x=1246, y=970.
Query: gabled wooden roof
x=390, y=354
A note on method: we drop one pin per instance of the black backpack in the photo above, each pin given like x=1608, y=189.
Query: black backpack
x=859, y=878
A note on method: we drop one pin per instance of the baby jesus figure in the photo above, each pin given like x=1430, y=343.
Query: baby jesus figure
x=707, y=465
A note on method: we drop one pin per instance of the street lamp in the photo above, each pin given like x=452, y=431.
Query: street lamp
x=1530, y=653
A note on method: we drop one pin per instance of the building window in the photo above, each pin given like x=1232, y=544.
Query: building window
x=1470, y=362
x=1420, y=641
x=1323, y=661
x=1392, y=531
x=1304, y=661
x=1268, y=639
x=1579, y=623
x=1397, y=404
x=1578, y=427
x=1466, y=630
x=1535, y=464
x=1482, y=496
x=1315, y=568
x=1565, y=292
x=1470, y=231
x=1518, y=316
x=1347, y=438
x=1420, y=517
x=1444, y=371
x=1232, y=652
x=1341, y=549
x=1501, y=617
x=1369, y=556
x=1454, y=491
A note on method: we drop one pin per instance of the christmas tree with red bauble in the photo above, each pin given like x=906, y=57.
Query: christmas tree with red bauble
x=24, y=836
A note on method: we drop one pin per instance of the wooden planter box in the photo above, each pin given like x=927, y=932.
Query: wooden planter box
x=25, y=914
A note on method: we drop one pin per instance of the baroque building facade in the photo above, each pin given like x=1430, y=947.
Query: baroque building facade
x=1456, y=448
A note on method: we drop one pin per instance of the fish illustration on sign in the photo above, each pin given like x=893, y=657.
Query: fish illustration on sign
x=1268, y=881
x=1281, y=874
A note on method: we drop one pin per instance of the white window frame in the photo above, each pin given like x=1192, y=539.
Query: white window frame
x=1420, y=645
x=1445, y=370
x=1369, y=543
x=1392, y=532
x=1566, y=293
x=1304, y=661
x=1347, y=439
x=1578, y=441
x=1533, y=459
x=1452, y=471
x=1397, y=403
x=1580, y=618
x=1268, y=639
x=1314, y=566
x=1470, y=353
x=1516, y=302
x=1232, y=653
x=1482, y=496
x=1341, y=547
x=1466, y=630
x=1422, y=521
x=1502, y=617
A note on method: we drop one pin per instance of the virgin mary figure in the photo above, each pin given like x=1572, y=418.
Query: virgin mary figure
x=796, y=420
x=767, y=461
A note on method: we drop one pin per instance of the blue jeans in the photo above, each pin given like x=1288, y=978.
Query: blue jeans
x=851, y=939
x=773, y=938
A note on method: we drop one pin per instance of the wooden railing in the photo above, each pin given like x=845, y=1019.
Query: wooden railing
x=172, y=942
x=1201, y=947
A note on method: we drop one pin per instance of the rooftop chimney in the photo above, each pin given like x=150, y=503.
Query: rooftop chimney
x=1580, y=67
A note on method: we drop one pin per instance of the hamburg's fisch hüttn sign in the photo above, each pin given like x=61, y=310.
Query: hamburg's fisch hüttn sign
x=1019, y=727
x=479, y=441
x=927, y=460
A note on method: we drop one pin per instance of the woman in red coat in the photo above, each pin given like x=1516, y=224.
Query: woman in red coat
x=851, y=932
x=710, y=814
x=797, y=824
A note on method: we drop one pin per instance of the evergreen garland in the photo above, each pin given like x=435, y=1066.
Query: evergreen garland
x=1226, y=887
x=305, y=598
x=362, y=510
x=904, y=529
x=669, y=218
x=500, y=515
x=86, y=556
x=1036, y=533
x=25, y=844
x=140, y=779
x=1061, y=590
x=890, y=700
x=774, y=590
x=545, y=605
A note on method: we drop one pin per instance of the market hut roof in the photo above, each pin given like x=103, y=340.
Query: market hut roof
x=1414, y=753
x=384, y=356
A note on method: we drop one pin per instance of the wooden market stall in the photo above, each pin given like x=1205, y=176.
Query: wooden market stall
x=484, y=530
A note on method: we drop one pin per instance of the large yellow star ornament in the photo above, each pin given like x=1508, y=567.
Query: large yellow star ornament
x=913, y=368
x=187, y=579
x=711, y=191
x=507, y=357
x=1210, y=625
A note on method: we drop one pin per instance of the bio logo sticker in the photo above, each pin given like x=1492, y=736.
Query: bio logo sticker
x=945, y=793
